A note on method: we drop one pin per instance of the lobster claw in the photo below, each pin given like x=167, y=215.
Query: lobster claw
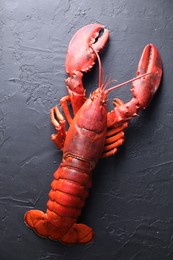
x=142, y=89
x=80, y=58
x=80, y=55
x=145, y=88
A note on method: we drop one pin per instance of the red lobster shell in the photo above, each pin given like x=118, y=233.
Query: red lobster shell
x=93, y=133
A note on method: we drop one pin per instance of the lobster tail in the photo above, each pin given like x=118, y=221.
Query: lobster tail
x=38, y=221
x=78, y=233
x=66, y=199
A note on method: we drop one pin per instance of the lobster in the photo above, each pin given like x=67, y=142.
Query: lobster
x=93, y=132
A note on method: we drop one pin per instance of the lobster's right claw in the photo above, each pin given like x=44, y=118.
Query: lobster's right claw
x=80, y=55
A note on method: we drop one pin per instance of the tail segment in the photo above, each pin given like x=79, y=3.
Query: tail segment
x=38, y=222
x=66, y=199
x=78, y=233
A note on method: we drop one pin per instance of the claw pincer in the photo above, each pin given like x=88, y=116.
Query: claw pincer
x=93, y=132
x=81, y=58
x=145, y=89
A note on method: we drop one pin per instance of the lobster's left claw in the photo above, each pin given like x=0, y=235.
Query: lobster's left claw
x=144, y=89
x=80, y=55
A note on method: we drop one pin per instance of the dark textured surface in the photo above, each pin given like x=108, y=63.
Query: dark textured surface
x=131, y=202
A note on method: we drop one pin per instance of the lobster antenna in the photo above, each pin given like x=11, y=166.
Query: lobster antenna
x=100, y=68
x=107, y=84
x=126, y=82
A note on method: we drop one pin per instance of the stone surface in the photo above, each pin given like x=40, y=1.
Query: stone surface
x=131, y=202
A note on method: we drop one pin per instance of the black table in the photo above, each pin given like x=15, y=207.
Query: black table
x=130, y=206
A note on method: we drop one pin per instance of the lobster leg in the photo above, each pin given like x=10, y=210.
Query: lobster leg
x=58, y=121
x=64, y=104
x=114, y=138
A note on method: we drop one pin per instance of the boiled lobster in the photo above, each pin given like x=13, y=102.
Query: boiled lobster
x=93, y=132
